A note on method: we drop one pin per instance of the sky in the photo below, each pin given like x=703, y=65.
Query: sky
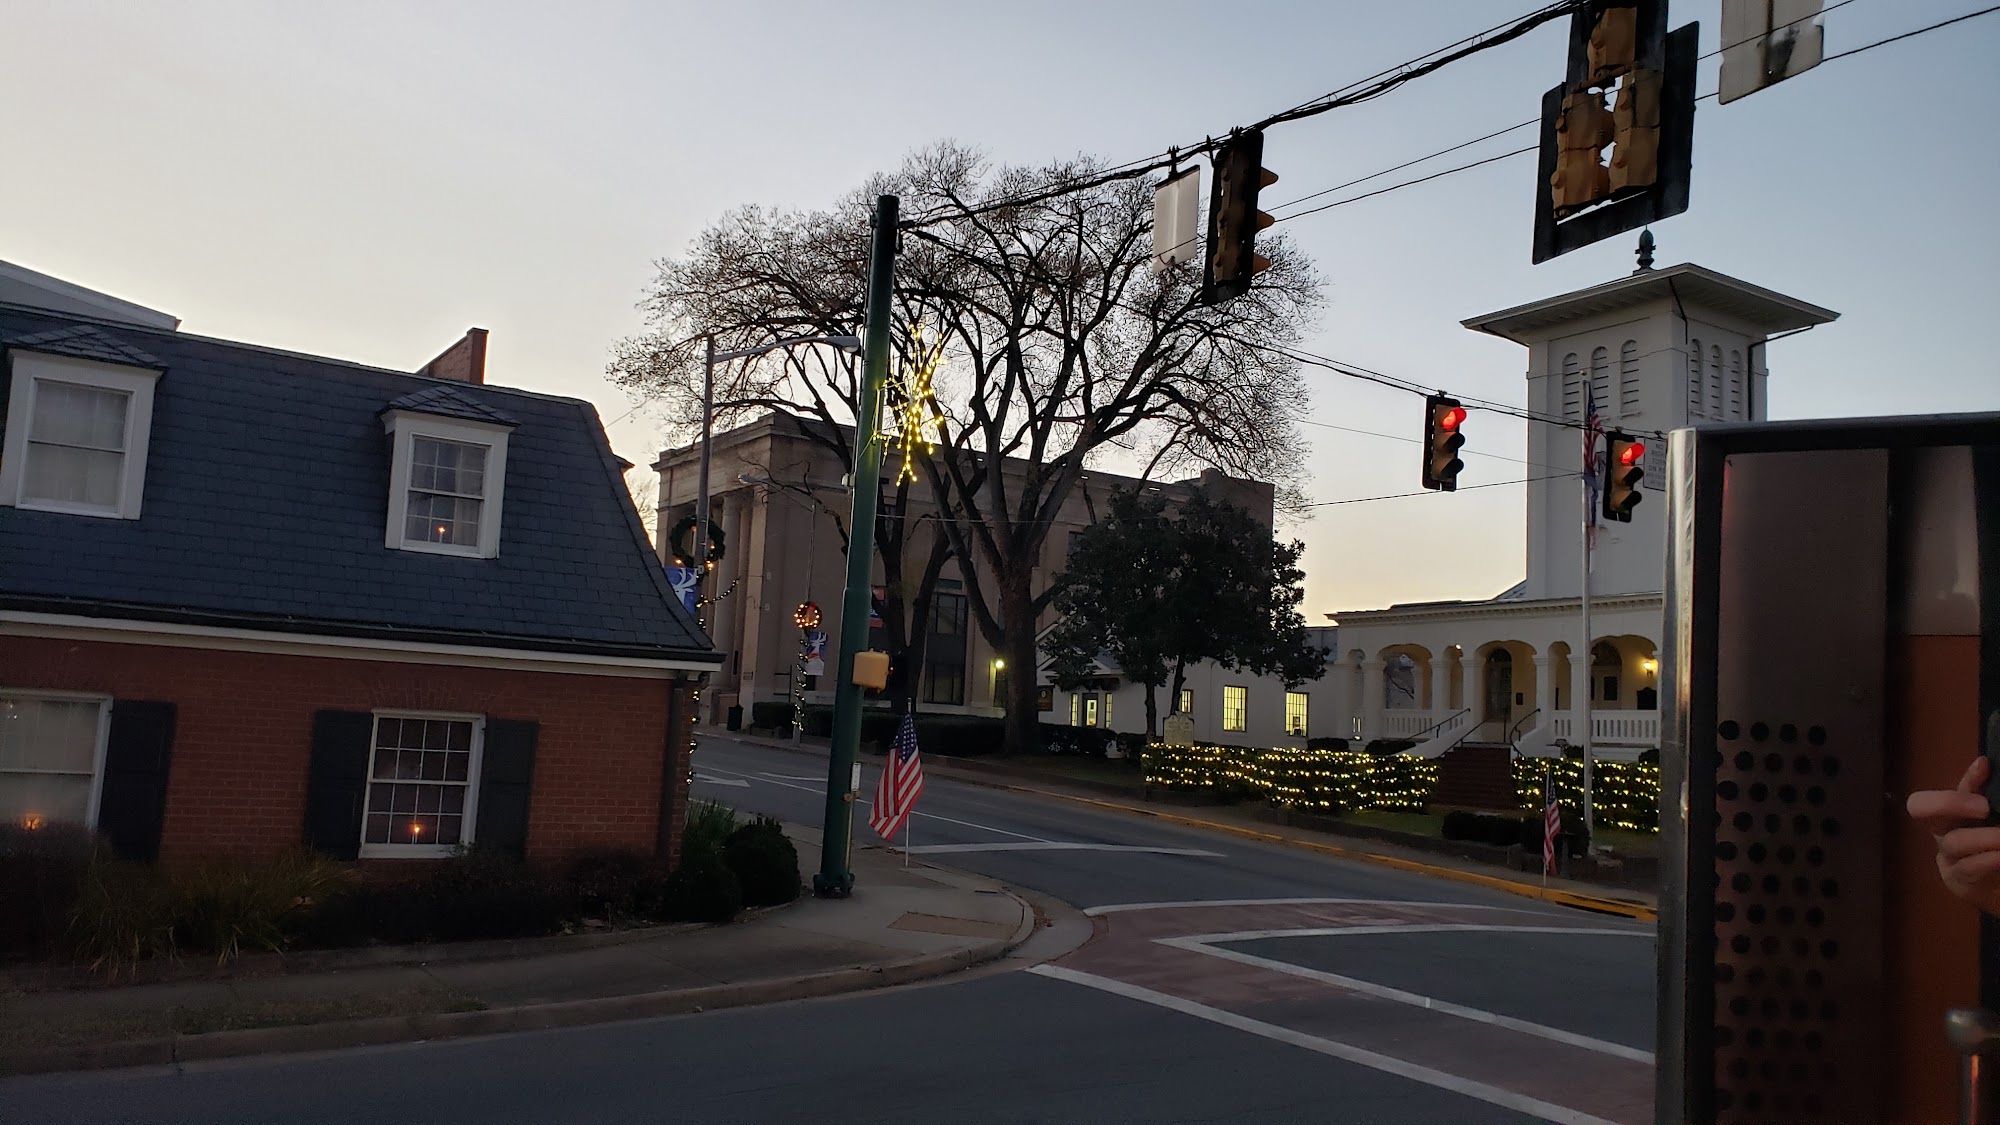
x=366, y=180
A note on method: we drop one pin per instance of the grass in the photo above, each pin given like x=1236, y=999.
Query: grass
x=1417, y=824
x=1124, y=773
x=56, y=1020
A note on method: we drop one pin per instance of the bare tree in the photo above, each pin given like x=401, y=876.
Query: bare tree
x=1063, y=348
x=644, y=485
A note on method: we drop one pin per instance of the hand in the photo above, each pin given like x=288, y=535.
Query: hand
x=1968, y=848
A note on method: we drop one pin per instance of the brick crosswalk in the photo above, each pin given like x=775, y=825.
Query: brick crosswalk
x=1174, y=955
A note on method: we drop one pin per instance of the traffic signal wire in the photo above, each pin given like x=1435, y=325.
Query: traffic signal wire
x=1429, y=492
x=1366, y=89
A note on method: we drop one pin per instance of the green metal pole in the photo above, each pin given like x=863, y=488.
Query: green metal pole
x=836, y=875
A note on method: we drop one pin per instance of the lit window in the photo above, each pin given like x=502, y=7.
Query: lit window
x=1075, y=709
x=446, y=481
x=1090, y=711
x=51, y=757
x=423, y=777
x=1295, y=713
x=1107, y=710
x=1187, y=701
x=1235, y=708
x=83, y=429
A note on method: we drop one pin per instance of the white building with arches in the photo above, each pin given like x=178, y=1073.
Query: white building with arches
x=1660, y=349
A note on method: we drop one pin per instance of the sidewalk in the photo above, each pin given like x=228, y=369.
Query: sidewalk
x=902, y=924
x=1627, y=902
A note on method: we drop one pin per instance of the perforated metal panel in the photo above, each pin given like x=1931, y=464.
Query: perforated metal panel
x=1800, y=680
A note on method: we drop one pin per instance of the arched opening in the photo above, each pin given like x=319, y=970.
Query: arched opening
x=1498, y=699
x=1406, y=678
x=1624, y=674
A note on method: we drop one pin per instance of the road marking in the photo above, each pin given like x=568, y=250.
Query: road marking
x=1203, y=943
x=1494, y=1095
x=720, y=781
x=821, y=790
x=1056, y=846
x=1121, y=907
x=792, y=776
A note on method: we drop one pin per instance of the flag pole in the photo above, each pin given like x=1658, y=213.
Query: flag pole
x=909, y=822
x=1589, y=666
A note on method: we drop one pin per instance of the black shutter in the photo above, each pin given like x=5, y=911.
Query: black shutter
x=132, y=806
x=506, y=774
x=337, y=781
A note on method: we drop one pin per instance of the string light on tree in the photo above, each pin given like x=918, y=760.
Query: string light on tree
x=918, y=421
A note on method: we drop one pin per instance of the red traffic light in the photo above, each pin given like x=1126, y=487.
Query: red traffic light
x=1630, y=454
x=1451, y=418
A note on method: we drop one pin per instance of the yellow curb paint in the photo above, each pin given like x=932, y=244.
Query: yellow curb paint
x=1526, y=890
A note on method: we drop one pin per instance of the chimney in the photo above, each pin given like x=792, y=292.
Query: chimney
x=463, y=362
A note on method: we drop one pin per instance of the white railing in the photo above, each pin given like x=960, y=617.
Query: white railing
x=1610, y=728
x=1400, y=723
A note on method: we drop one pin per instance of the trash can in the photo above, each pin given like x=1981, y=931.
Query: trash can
x=736, y=718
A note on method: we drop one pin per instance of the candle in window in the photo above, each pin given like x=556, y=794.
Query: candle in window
x=416, y=829
x=31, y=821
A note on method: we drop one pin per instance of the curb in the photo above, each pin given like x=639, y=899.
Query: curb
x=1621, y=907
x=379, y=1030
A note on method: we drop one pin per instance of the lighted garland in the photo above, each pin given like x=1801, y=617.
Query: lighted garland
x=918, y=421
x=1623, y=795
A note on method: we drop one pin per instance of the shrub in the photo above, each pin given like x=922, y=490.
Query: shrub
x=765, y=863
x=1501, y=831
x=703, y=889
x=227, y=906
x=771, y=714
x=613, y=882
x=1382, y=747
x=1461, y=826
x=41, y=873
x=817, y=720
x=708, y=826
x=472, y=896
x=123, y=915
x=962, y=736
x=1326, y=744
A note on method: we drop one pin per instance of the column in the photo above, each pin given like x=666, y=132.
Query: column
x=1468, y=680
x=1441, y=707
x=757, y=521
x=1545, y=689
x=1371, y=699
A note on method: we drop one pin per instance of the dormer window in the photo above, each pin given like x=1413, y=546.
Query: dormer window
x=76, y=436
x=445, y=481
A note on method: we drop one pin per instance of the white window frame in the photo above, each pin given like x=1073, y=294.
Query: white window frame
x=1305, y=714
x=33, y=368
x=468, y=827
x=403, y=427
x=103, y=736
x=1242, y=713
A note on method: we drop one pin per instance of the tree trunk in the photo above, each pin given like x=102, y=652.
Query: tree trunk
x=1152, y=711
x=1023, y=732
x=1180, y=681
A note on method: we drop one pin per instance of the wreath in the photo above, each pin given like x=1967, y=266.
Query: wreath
x=680, y=541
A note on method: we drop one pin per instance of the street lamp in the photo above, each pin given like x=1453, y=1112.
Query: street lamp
x=844, y=343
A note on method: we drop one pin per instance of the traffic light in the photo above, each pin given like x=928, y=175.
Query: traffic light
x=1444, y=421
x=1233, y=218
x=1623, y=455
x=1617, y=134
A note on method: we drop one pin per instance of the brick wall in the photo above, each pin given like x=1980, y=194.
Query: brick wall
x=243, y=736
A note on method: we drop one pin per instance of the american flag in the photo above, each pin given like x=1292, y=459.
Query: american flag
x=902, y=782
x=1593, y=475
x=1551, y=824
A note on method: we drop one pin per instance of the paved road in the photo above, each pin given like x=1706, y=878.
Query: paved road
x=1226, y=981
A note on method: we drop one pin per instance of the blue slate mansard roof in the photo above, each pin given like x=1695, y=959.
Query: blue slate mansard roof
x=267, y=482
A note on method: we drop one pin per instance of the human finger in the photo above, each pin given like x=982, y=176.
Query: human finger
x=1961, y=843
x=1941, y=811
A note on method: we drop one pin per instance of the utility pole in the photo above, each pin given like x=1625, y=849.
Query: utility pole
x=836, y=876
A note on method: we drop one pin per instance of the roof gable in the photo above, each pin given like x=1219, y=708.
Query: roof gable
x=449, y=403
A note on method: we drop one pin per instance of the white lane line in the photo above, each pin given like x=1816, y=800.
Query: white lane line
x=1408, y=928
x=707, y=780
x=820, y=790
x=1547, y=1111
x=1200, y=943
x=1057, y=846
x=1121, y=907
x=791, y=776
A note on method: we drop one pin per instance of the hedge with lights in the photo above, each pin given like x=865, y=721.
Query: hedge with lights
x=1324, y=781
x=1623, y=795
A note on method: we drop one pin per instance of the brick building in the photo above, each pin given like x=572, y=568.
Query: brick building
x=251, y=599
